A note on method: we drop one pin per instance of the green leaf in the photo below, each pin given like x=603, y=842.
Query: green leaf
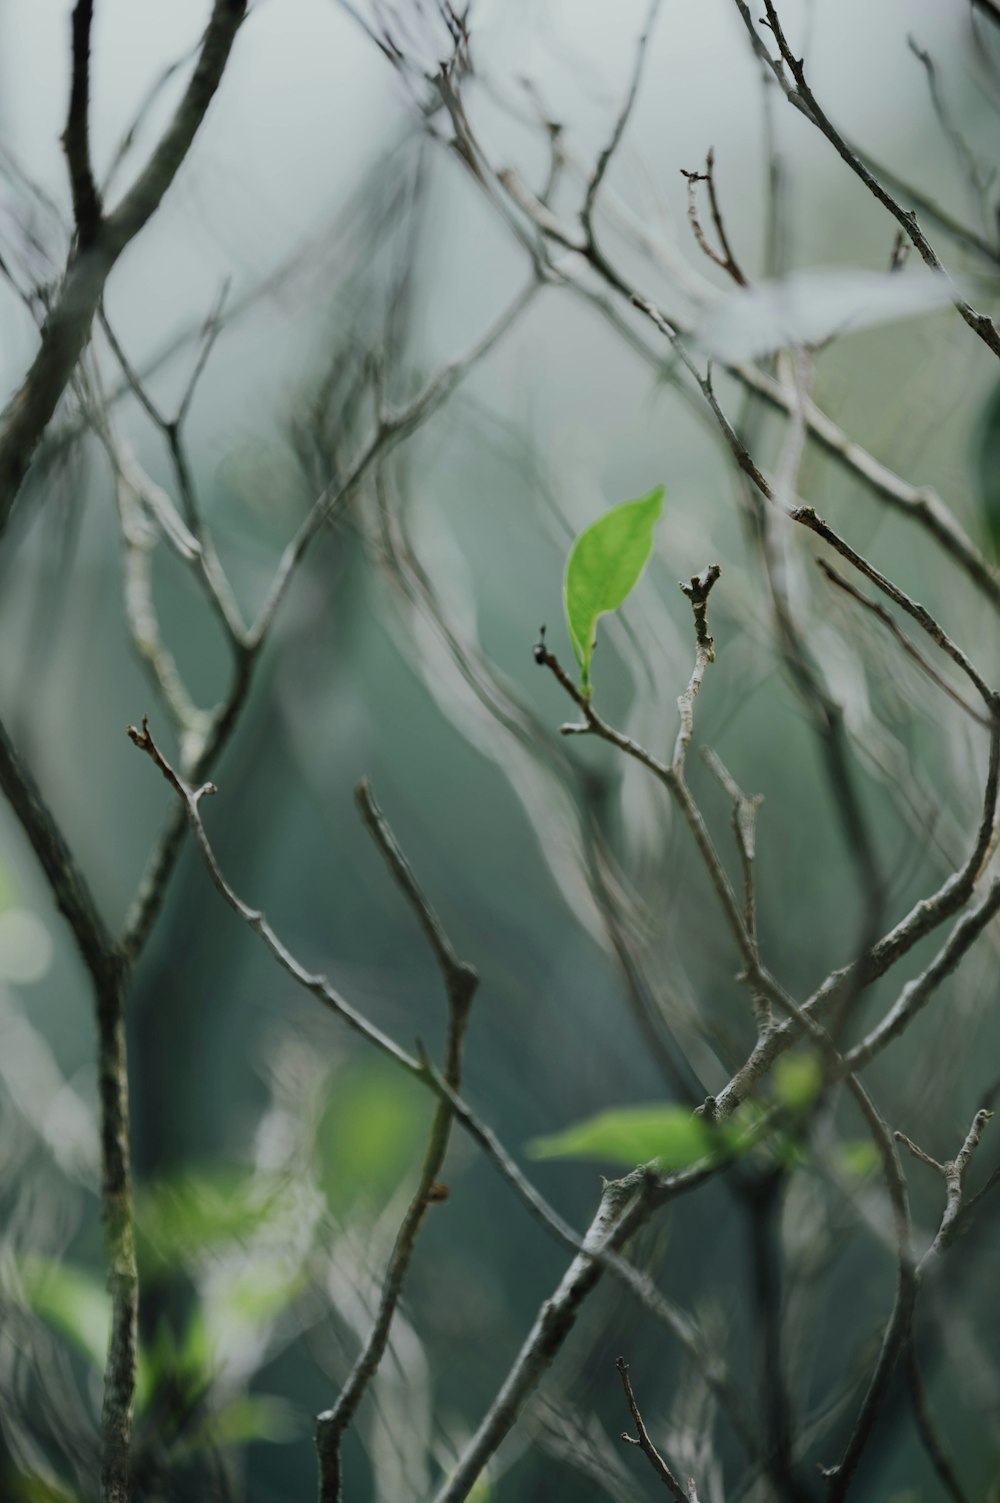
x=630, y=1135
x=797, y=1080
x=602, y=570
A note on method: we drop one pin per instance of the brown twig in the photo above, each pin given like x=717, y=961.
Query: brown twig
x=643, y=1441
x=460, y=982
x=880, y=612
x=798, y=92
x=724, y=259
x=68, y=323
x=604, y=158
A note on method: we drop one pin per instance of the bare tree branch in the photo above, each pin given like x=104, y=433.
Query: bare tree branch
x=798, y=93
x=460, y=982
x=108, y=972
x=644, y=1442
x=76, y=137
x=67, y=327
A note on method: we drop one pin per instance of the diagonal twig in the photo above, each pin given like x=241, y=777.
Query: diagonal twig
x=645, y=1444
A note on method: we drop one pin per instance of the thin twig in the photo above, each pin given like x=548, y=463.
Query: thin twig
x=460, y=982
x=108, y=970
x=744, y=823
x=977, y=181
x=798, y=92
x=880, y=612
x=919, y=503
x=917, y=993
x=644, y=1442
x=808, y=517
x=653, y=1189
x=604, y=158
x=726, y=260
x=68, y=322
x=389, y=432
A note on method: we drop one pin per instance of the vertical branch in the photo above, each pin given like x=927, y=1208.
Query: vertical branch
x=763, y=1199
x=119, y=1230
x=109, y=974
x=76, y=136
x=460, y=985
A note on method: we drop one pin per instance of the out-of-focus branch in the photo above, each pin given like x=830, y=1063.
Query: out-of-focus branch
x=899, y=1333
x=76, y=136
x=460, y=982
x=108, y=971
x=977, y=181
x=881, y=614
x=745, y=830
x=215, y=583
x=604, y=157
x=67, y=326
x=69, y=886
x=927, y=1429
x=390, y=430
x=807, y=516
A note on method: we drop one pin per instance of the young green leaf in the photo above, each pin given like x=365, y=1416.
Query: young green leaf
x=632, y=1135
x=603, y=568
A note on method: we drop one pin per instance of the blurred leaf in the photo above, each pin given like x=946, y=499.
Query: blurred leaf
x=631, y=1135
x=8, y=887
x=41, y=1490
x=859, y=1157
x=797, y=1080
x=254, y=1295
x=812, y=306
x=251, y=1418
x=25, y=945
x=603, y=567
x=77, y=1305
x=987, y=467
x=369, y=1133
x=163, y=1363
x=178, y=1220
x=73, y=1302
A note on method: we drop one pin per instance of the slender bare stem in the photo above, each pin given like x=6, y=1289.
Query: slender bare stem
x=643, y=1441
x=460, y=981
